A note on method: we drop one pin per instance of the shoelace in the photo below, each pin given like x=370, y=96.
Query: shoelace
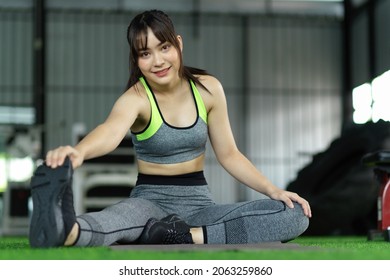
x=171, y=236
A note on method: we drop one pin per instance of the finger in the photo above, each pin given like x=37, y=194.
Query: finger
x=52, y=158
x=303, y=202
x=306, y=208
x=56, y=157
x=48, y=160
x=288, y=202
x=309, y=214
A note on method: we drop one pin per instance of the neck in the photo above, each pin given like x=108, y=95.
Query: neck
x=168, y=88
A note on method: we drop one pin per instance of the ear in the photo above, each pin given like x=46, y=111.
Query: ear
x=180, y=40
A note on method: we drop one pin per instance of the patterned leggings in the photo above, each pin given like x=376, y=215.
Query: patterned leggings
x=189, y=196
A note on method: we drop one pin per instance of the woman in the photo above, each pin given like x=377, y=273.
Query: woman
x=171, y=110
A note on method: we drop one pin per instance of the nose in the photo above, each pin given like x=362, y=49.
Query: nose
x=158, y=60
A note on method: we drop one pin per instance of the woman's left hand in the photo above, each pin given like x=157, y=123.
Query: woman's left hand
x=290, y=197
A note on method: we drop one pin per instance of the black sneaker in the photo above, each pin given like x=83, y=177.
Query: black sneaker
x=53, y=214
x=170, y=230
x=171, y=219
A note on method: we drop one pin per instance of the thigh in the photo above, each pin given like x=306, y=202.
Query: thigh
x=224, y=212
x=131, y=211
x=251, y=222
x=123, y=221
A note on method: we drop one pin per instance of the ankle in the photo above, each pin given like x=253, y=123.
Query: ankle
x=73, y=235
x=197, y=235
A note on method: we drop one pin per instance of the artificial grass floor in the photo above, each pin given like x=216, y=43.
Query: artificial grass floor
x=310, y=248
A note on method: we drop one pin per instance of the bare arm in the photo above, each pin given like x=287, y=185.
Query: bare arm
x=104, y=138
x=233, y=161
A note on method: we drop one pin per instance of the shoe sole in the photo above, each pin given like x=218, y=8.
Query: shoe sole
x=47, y=188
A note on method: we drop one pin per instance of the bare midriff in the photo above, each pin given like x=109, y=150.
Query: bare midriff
x=150, y=168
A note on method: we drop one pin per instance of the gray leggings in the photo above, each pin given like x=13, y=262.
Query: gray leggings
x=244, y=222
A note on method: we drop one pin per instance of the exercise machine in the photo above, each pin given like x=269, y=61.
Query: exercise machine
x=380, y=161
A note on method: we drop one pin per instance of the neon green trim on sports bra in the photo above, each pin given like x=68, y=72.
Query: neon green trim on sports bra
x=155, y=119
x=199, y=103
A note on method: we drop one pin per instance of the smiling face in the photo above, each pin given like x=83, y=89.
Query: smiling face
x=155, y=47
x=158, y=61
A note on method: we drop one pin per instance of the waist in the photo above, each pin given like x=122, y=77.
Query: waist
x=191, y=166
x=188, y=179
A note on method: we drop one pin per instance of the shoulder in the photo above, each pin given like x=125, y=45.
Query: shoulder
x=215, y=96
x=211, y=83
x=136, y=92
x=135, y=98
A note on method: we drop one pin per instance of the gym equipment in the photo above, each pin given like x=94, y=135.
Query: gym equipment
x=381, y=162
x=340, y=189
x=103, y=181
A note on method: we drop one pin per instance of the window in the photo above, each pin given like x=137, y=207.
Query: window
x=17, y=115
x=362, y=103
x=370, y=100
x=15, y=170
x=3, y=177
x=380, y=96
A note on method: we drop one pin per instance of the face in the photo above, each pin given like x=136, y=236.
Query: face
x=159, y=62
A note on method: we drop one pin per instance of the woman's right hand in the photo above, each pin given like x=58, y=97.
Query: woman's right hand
x=56, y=157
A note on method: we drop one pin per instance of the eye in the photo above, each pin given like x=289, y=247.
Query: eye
x=144, y=54
x=166, y=47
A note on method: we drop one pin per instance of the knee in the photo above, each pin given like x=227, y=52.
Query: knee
x=299, y=219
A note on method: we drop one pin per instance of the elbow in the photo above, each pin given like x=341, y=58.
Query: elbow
x=228, y=157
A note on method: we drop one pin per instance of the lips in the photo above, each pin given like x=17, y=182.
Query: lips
x=161, y=73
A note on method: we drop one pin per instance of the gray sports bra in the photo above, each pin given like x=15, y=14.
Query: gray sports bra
x=163, y=143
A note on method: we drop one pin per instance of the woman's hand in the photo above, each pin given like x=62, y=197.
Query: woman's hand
x=289, y=197
x=57, y=156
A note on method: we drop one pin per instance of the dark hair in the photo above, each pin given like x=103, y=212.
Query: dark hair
x=163, y=29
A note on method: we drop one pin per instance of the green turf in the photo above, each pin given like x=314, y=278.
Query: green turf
x=311, y=248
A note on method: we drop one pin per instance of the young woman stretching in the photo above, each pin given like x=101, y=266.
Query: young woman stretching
x=171, y=111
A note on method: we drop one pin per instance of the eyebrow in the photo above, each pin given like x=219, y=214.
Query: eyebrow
x=146, y=48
